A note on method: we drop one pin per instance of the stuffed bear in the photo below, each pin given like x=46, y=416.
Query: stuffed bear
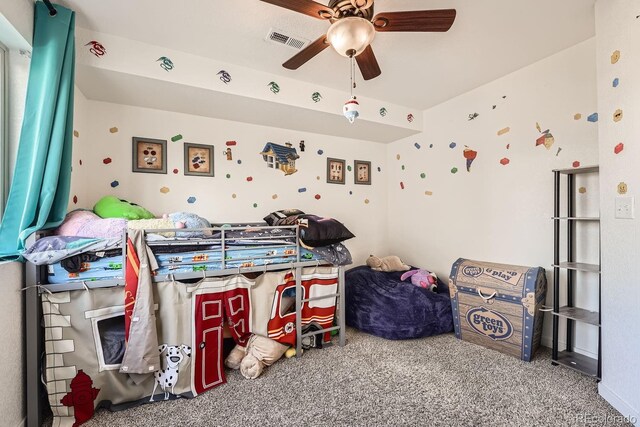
x=252, y=359
x=388, y=263
x=422, y=278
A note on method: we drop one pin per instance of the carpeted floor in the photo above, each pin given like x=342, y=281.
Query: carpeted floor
x=436, y=381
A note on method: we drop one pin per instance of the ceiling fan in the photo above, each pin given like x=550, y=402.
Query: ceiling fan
x=353, y=27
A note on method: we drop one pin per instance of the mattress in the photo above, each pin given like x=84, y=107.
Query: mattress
x=170, y=262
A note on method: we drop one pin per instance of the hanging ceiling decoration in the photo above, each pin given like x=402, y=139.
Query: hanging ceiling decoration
x=353, y=28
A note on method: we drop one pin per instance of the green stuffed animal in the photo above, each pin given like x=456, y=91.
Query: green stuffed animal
x=112, y=207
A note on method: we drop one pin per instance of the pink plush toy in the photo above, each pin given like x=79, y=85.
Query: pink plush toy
x=422, y=278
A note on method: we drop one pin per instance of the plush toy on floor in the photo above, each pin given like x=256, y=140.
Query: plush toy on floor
x=387, y=263
x=422, y=278
x=252, y=359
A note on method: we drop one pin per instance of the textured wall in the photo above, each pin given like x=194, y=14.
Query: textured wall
x=105, y=146
x=618, y=29
x=499, y=212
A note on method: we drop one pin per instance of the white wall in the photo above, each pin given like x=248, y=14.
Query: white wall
x=617, y=28
x=495, y=212
x=16, y=26
x=12, y=367
x=214, y=195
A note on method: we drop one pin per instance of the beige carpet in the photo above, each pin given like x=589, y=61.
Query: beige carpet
x=436, y=381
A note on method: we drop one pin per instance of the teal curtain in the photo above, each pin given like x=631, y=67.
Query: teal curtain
x=39, y=192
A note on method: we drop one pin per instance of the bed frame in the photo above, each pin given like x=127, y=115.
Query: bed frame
x=36, y=284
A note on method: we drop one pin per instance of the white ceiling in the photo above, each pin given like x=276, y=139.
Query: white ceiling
x=489, y=39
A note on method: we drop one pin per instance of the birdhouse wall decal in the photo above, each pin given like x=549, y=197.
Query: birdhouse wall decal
x=280, y=157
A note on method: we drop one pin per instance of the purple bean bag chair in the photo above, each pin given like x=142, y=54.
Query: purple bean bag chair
x=381, y=304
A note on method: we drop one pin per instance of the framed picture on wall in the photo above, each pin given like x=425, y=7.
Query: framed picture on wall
x=335, y=171
x=198, y=159
x=362, y=171
x=149, y=155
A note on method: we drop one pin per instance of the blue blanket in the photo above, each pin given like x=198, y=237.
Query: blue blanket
x=383, y=305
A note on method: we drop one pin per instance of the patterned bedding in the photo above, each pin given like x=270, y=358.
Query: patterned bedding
x=204, y=259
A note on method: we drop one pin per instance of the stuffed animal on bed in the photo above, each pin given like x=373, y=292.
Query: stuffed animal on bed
x=112, y=207
x=252, y=359
x=422, y=278
x=387, y=263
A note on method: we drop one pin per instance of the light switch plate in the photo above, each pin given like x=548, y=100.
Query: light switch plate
x=624, y=207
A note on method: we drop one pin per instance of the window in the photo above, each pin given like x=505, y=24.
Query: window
x=4, y=145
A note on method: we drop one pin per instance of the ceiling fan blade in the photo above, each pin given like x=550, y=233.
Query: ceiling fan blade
x=307, y=53
x=308, y=7
x=368, y=64
x=419, y=20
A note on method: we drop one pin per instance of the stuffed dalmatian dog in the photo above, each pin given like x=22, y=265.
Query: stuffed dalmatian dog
x=168, y=377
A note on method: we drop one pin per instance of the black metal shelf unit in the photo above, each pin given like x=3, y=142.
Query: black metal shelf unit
x=569, y=313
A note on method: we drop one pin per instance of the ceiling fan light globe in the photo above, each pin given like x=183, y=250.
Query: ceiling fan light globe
x=352, y=34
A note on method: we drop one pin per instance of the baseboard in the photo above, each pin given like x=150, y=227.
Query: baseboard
x=548, y=342
x=620, y=405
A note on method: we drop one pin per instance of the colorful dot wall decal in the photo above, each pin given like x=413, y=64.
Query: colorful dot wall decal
x=452, y=145
x=175, y=171
x=231, y=143
x=318, y=197
x=423, y=175
x=80, y=162
x=402, y=185
x=618, y=148
x=350, y=193
x=176, y=138
x=397, y=156
x=430, y=145
x=402, y=167
x=191, y=200
x=239, y=161
x=228, y=175
x=164, y=190
x=255, y=205
x=504, y=161
x=582, y=190
x=508, y=146
x=233, y=196
x=75, y=200
x=114, y=184
x=106, y=161
x=302, y=190
x=320, y=152
x=249, y=178
x=76, y=133
x=616, y=82
x=366, y=201
x=349, y=168
x=593, y=118
x=617, y=115
x=379, y=169
x=428, y=193
x=275, y=196
x=113, y=130
x=503, y=131
x=577, y=116
x=576, y=164
x=417, y=145
x=454, y=170
x=318, y=177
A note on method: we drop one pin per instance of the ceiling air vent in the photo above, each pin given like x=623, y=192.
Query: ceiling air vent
x=280, y=37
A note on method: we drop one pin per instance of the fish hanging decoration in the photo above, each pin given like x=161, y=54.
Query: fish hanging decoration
x=96, y=48
x=225, y=77
x=166, y=63
x=383, y=111
x=274, y=87
x=316, y=97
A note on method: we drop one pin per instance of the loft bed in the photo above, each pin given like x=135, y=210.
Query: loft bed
x=217, y=260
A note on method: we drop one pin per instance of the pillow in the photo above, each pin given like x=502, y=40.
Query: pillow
x=316, y=231
x=276, y=218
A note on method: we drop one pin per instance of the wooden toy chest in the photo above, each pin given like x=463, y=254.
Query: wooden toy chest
x=498, y=305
